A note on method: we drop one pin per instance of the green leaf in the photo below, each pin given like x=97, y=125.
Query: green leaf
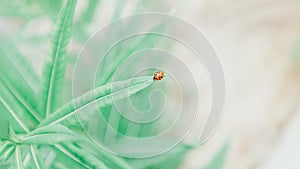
x=6, y=118
x=54, y=69
x=117, y=57
x=19, y=161
x=19, y=82
x=171, y=159
x=90, y=10
x=52, y=134
x=23, y=102
x=4, y=147
x=36, y=157
x=86, y=157
x=219, y=159
x=109, y=159
x=104, y=96
x=6, y=164
x=4, y=128
x=12, y=108
x=80, y=33
x=14, y=9
x=46, y=7
x=19, y=65
x=119, y=7
x=60, y=149
x=8, y=151
x=115, y=60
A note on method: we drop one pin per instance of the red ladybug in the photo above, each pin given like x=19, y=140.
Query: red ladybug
x=158, y=75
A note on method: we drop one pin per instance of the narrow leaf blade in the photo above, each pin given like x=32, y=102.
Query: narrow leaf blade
x=219, y=159
x=105, y=95
x=51, y=135
x=6, y=103
x=19, y=161
x=37, y=159
x=70, y=155
x=54, y=69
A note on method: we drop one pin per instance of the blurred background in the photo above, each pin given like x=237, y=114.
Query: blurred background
x=258, y=43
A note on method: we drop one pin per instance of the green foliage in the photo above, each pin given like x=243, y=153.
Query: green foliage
x=33, y=109
x=35, y=122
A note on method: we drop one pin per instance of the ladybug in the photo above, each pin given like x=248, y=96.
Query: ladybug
x=158, y=75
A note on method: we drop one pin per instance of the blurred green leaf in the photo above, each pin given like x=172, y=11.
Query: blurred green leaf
x=170, y=159
x=218, y=160
x=4, y=146
x=89, y=12
x=5, y=164
x=13, y=60
x=46, y=7
x=118, y=55
x=295, y=52
x=109, y=159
